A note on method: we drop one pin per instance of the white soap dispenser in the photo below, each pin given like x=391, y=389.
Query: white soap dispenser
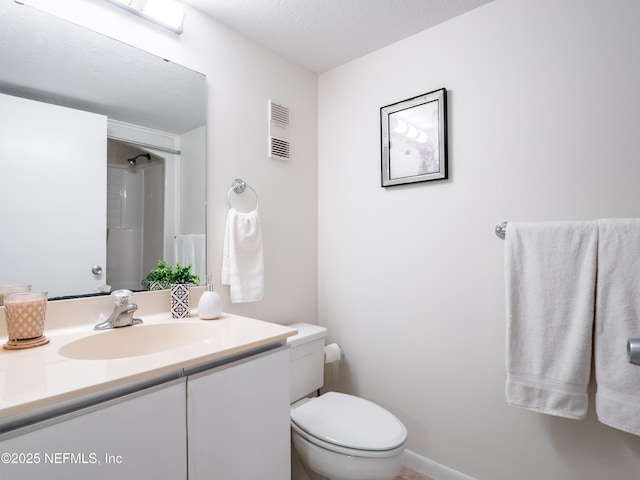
x=210, y=303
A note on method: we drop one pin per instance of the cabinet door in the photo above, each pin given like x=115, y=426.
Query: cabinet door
x=138, y=436
x=238, y=420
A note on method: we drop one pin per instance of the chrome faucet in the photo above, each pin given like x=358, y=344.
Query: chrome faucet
x=122, y=315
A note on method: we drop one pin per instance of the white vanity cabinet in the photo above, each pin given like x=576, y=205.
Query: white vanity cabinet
x=238, y=420
x=138, y=436
x=227, y=420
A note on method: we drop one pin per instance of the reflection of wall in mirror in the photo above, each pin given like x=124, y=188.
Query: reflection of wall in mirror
x=192, y=182
x=190, y=245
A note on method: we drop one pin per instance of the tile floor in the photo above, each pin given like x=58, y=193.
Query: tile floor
x=297, y=471
x=410, y=474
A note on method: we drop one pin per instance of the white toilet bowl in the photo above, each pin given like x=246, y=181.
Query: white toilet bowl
x=338, y=436
x=343, y=437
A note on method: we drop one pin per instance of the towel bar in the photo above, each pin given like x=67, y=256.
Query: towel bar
x=239, y=186
x=501, y=230
x=633, y=351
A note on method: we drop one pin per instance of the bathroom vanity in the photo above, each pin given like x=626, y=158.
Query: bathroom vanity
x=213, y=403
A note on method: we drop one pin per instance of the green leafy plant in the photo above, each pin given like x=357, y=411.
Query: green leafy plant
x=164, y=275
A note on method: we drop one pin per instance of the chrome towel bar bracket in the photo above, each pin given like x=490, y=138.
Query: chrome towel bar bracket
x=501, y=230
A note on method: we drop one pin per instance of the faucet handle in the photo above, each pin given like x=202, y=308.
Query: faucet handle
x=122, y=296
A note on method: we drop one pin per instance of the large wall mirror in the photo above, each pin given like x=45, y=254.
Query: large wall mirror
x=102, y=158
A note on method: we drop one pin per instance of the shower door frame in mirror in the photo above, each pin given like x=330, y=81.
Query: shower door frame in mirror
x=33, y=72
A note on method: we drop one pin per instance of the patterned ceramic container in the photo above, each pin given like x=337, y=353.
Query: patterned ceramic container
x=180, y=300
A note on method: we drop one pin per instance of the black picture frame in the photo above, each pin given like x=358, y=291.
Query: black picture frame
x=414, y=139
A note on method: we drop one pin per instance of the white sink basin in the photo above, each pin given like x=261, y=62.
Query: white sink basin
x=137, y=340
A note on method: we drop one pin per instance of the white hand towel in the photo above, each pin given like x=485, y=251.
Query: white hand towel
x=242, y=257
x=550, y=271
x=617, y=319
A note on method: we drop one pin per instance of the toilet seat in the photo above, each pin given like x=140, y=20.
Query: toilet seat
x=350, y=425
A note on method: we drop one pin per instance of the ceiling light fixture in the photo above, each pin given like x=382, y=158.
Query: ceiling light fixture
x=166, y=13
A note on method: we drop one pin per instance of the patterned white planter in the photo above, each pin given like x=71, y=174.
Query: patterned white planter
x=180, y=300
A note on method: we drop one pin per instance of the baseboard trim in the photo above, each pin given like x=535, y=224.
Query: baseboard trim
x=431, y=469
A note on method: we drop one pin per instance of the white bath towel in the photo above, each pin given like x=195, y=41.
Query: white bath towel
x=550, y=271
x=617, y=319
x=191, y=248
x=242, y=257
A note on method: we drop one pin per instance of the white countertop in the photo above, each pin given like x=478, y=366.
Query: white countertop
x=39, y=378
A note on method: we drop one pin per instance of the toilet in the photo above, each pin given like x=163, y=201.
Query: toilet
x=338, y=436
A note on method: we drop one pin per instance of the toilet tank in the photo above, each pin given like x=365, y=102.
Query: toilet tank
x=306, y=359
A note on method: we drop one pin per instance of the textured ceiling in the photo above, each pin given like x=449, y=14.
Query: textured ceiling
x=322, y=34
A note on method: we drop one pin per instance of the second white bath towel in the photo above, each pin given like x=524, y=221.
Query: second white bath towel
x=618, y=319
x=550, y=271
x=242, y=257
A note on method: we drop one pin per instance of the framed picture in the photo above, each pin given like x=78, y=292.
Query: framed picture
x=414, y=139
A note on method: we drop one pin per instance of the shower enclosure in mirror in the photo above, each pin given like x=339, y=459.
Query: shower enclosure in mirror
x=102, y=158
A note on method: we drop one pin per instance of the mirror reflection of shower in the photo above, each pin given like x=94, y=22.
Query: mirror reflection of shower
x=135, y=213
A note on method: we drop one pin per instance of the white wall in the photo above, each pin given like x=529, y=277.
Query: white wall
x=543, y=119
x=241, y=77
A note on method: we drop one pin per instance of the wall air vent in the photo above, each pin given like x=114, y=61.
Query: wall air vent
x=278, y=131
x=279, y=148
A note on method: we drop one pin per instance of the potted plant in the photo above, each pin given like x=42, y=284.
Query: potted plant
x=164, y=275
x=178, y=279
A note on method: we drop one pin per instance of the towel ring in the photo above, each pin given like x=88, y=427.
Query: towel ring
x=239, y=186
